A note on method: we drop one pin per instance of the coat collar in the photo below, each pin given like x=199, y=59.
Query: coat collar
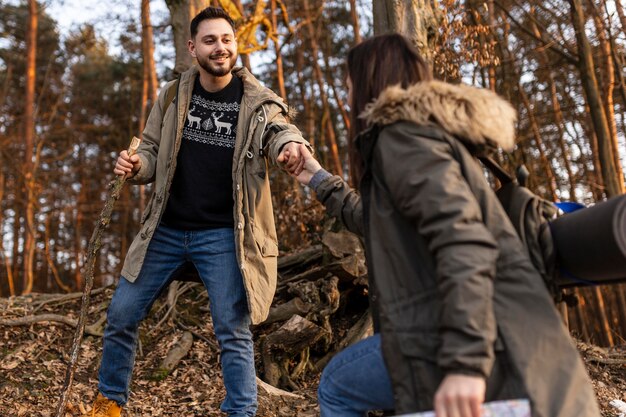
x=255, y=93
x=476, y=116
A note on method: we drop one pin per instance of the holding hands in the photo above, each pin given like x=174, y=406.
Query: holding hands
x=306, y=165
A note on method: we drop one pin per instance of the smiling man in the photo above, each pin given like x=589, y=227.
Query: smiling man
x=207, y=154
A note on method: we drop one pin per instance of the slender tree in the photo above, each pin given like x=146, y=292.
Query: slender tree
x=29, y=139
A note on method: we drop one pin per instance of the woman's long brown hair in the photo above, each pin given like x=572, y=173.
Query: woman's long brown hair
x=374, y=65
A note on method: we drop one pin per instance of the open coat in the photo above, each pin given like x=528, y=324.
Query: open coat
x=453, y=289
x=255, y=234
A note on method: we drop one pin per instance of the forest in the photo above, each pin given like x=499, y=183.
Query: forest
x=71, y=100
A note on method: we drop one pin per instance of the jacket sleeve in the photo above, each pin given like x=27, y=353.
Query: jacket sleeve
x=149, y=147
x=427, y=186
x=342, y=202
x=279, y=132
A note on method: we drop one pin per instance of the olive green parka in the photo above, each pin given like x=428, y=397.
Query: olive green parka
x=453, y=289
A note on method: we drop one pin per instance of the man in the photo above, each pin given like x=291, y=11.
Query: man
x=207, y=154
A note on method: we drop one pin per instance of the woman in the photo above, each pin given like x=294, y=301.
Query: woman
x=461, y=314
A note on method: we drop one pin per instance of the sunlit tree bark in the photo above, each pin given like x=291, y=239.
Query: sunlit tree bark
x=29, y=142
x=596, y=108
x=416, y=19
x=3, y=258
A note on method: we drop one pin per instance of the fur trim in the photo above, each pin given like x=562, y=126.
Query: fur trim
x=475, y=115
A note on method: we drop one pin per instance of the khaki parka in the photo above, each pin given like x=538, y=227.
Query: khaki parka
x=262, y=130
x=453, y=288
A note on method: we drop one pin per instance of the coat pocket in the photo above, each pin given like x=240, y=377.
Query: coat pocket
x=267, y=246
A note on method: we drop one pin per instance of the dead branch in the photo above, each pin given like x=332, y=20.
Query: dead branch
x=210, y=342
x=606, y=361
x=57, y=318
x=62, y=299
x=179, y=351
x=90, y=262
x=276, y=391
x=175, y=290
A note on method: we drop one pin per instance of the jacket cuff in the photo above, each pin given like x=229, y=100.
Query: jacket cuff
x=466, y=372
x=318, y=177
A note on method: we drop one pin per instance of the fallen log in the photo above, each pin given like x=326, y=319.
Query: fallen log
x=285, y=311
x=300, y=259
x=342, y=243
x=288, y=341
x=361, y=329
x=174, y=356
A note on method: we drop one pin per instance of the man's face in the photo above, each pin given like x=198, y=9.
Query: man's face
x=215, y=47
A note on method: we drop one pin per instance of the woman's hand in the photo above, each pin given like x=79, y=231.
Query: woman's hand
x=460, y=396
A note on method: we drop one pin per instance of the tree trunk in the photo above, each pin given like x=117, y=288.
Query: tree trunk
x=607, y=85
x=5, y=261
x=29, y=141
x=330, y=80
x=245, y=58
x=354, y=16
x=179, y=13
x=547, y=167
x=280, y=77
x=416, y=19
x=317, y=71
x=308, y=109
x=492, y=24
x=149, y=84
x=621, y=14
x=592, y=93
x=605, y=326
x=558, y=116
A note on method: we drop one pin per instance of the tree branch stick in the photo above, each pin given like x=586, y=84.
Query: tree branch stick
x=92, y=250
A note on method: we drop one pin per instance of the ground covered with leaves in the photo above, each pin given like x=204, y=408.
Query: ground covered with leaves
x=34, y=357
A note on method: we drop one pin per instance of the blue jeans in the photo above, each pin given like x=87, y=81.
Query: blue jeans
x=213, y=254
x=356, y=381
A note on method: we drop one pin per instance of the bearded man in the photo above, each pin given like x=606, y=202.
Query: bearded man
x=208, y=155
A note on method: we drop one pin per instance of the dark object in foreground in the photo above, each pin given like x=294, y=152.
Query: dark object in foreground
x=591, y=244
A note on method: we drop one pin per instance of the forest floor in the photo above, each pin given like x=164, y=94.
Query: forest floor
x=34, y=357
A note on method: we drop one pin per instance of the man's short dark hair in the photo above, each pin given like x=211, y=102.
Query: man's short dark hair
x=208, y=14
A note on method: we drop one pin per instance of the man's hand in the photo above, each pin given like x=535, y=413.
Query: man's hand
x=126, y=165
x=291, y=158
x=460, y=396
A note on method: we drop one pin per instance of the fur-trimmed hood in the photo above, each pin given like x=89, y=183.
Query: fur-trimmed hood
x=475, y=115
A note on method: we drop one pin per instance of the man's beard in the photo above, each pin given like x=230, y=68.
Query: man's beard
x=220, y=71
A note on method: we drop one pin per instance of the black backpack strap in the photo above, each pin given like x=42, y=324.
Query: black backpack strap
x=496, y=169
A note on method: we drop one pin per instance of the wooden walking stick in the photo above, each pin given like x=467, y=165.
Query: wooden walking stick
x=92, y=251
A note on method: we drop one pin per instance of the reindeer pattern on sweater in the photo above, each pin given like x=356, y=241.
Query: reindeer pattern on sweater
x=212, y=119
